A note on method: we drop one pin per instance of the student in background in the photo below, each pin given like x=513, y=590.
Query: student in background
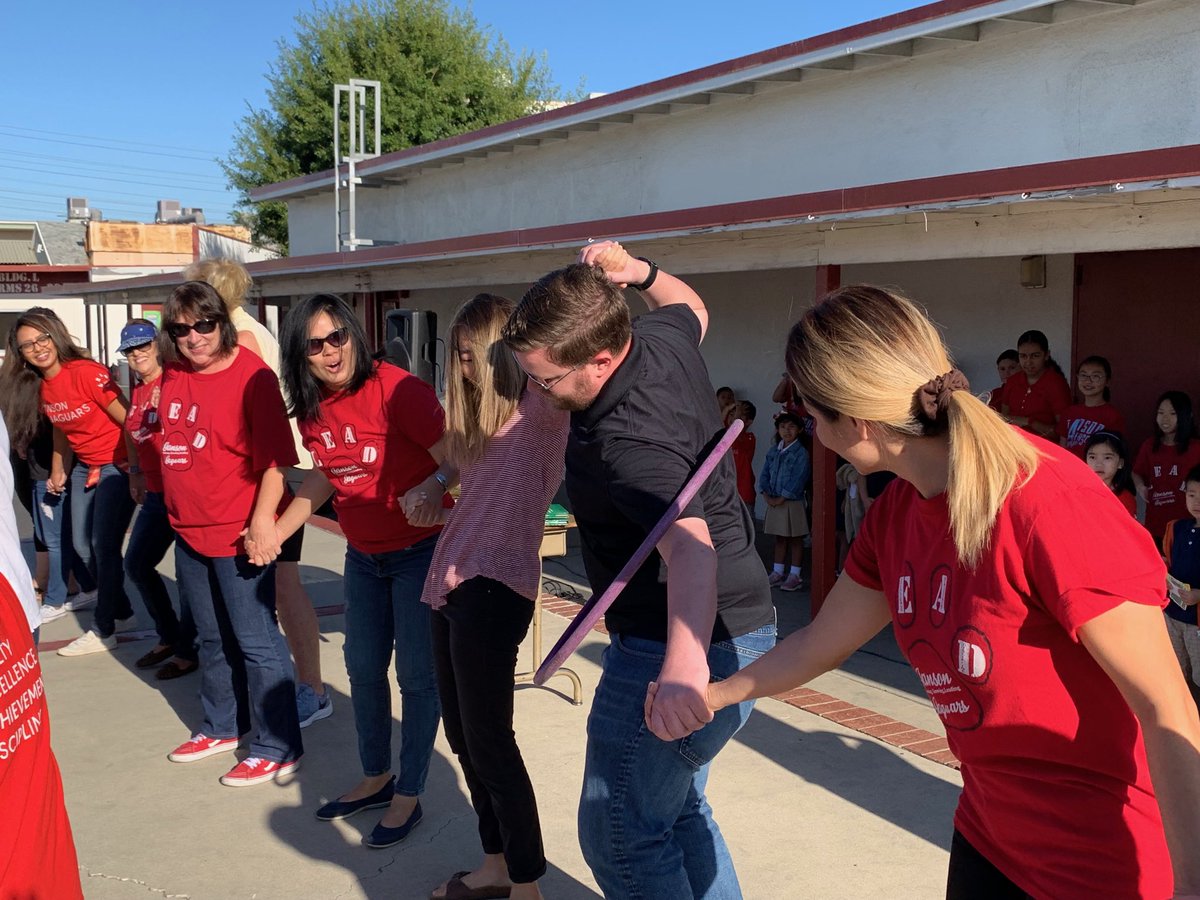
x=1106, y=455
x=784, y=476
x=1006, y=364
x=743, y=450
x=1080, y=421
x=1181, y=549
x=1164, y=460
x=1035, y=397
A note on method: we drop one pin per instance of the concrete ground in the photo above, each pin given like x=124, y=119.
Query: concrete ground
x=809, y=808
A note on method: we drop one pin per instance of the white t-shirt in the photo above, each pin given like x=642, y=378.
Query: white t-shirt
x=12, y=562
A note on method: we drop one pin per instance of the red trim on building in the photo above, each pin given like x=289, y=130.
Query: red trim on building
x=50, y=269
x=871, y=28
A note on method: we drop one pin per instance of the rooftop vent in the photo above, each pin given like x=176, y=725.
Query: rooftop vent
x=77, y=209
x=168, y=211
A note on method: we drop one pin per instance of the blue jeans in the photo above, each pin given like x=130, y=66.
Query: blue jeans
x=645, y=827
x=385, y=615
x=99, y=518
x=149, y=542
x=244, y=659
x=50, y=512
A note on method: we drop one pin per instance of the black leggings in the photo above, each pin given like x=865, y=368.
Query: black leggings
x=475, y=640
x=972, y=877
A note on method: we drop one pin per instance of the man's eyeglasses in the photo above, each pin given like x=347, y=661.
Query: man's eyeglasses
x=180, y=330
x=334, y=339
x=549, y=384
x=40, y=342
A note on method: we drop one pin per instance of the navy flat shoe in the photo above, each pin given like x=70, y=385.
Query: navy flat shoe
x=381, y=836
x=344, y=809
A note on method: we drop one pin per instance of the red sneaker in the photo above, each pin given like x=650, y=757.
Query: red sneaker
x=200, y=746
x=253, y=770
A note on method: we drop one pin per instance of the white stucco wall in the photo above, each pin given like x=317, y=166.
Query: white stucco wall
x=1105, y=84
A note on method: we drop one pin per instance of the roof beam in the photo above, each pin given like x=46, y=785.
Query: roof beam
x=740, y=87
x=902, y=49
x=1039, y=15
x=963, y=34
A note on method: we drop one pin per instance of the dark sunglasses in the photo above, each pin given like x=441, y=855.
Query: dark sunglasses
x=334, y=339
x=179, y=330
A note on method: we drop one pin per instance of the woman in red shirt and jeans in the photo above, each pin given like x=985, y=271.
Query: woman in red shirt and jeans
x=1028, y=601
x=87, y=410
x=225, y=443
x=375, y=432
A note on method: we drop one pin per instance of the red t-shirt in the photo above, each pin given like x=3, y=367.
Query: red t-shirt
x=1129, y=501
x=1078, y=422
x=743, y=464
x=76, y=401
x=1043, y=401
x=37, y=852
x=221, y=431
x=373, y=445
x=996, y=398
x=1164, y=470
x=144, y=427
x=1056, y=788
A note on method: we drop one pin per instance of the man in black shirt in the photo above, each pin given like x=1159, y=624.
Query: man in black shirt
x=642, y=421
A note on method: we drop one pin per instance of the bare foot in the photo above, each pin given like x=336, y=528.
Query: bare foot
x=371, y=784
x=397, y=814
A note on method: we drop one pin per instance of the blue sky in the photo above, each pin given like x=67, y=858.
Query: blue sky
x=128, y=102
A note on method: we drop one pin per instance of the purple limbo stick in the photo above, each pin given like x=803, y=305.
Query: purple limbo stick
x=596, y=607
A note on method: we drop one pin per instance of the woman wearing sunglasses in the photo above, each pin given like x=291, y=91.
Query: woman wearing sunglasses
x=225, y=443
x=375, y=433
x=87, y=410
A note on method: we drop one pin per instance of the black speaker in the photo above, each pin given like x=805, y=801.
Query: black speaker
x=411, y=341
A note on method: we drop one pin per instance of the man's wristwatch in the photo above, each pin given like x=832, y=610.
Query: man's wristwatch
x=645, y=285
x=442, y=480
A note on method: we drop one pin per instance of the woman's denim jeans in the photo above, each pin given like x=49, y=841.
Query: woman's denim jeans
x=99, y=519
x=645, y=827
x=149, y=542
x=51, y=524
x=385, y=616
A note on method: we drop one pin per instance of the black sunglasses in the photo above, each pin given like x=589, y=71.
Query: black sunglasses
x=334, y=339
x=180, y=330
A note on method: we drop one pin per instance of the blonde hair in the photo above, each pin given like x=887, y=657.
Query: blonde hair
x=865, y=352
x=476, y=409
x=230, y=279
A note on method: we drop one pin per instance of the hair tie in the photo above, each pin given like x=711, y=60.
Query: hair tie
x=933, y=397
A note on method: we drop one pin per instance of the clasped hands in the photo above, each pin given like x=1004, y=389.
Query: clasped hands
x=678, y=703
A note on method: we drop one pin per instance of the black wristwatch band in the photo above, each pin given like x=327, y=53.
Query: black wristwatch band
x=645, y=285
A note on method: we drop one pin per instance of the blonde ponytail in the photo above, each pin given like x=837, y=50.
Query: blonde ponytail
x=867, y=352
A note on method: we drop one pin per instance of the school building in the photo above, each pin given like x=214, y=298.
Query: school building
x=1012, y=164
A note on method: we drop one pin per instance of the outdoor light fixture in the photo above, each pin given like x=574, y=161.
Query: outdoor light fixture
x=1033, y=271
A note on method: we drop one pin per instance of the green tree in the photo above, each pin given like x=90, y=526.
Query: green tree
x=441, y=74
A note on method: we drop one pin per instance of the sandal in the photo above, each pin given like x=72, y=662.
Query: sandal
x=175, y=670
x=456, y=890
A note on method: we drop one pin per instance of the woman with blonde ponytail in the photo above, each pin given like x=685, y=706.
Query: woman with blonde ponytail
x=1027, y=600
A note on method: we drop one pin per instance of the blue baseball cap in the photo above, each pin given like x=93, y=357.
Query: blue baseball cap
x=135, y=334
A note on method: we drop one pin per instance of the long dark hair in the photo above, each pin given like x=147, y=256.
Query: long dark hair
x=21, y=381
x=1123, y=480
x=1034, y=336
x=302, y=388
x=1185, y=425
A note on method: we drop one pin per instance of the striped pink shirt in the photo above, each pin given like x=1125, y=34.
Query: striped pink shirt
x=495, y=529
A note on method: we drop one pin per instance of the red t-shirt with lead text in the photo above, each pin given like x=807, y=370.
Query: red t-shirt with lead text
x=145, y=429
x=76, y=402
x=1165, y=470
x=373, y=445
x=1056, y=789
x=37, y=852
x=1079, y=422
x=221, y=431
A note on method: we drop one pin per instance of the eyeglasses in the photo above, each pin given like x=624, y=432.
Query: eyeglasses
x=40, y=342
x=180, y=330
x=549, y=384
x=149, y=345
x=334, y=339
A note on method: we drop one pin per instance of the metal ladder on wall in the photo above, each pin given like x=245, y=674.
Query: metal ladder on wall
x=345, y=176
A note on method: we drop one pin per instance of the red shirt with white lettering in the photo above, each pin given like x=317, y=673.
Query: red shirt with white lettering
x=1056, y=788
x=1043, y=401
x=144, y=427
x=1165, y=470
x=1079, y=422
x=373, y=445
x=221, y=431
x=37, y=852
x=76, y=401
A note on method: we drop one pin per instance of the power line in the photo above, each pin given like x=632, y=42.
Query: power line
x=25, y=137
x=194, y=189
x=93, y=137
x=75, y=161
